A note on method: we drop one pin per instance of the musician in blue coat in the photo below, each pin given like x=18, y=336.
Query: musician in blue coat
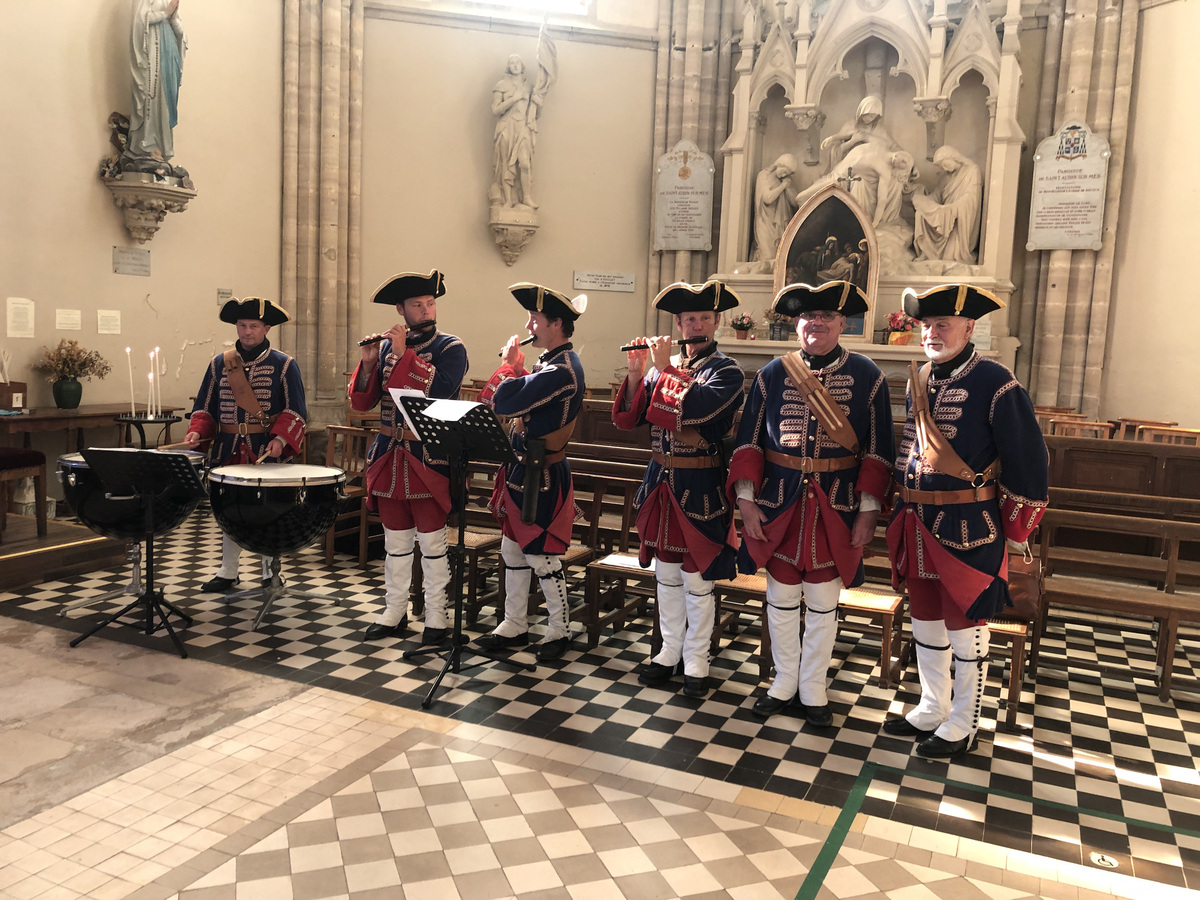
x=810, y=473
x=251, y=406
x=973, y=482
x=534, y=501
x=685, y=522
x=407, y=485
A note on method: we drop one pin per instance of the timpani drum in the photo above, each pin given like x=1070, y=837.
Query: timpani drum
x=275, y=509
x=123, y=518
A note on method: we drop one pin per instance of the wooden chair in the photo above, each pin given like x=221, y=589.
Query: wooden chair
x=1073, y=427
x=15, y=463
x=1126, y=428
x=1169, y=435
x=347, y=450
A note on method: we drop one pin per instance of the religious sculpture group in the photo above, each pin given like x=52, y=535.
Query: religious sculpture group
x=913, y=222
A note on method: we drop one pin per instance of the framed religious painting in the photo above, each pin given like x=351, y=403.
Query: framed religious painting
x=830, y=238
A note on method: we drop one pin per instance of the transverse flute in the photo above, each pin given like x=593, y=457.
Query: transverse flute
x=682, y=342
x=379, y=337
x=526, y=342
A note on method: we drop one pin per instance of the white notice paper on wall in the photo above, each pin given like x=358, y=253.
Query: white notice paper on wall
x=68, y=320
x=108, y=321
x=20, y=317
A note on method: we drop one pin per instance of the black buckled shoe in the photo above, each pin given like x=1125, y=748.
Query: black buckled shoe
x=766, y=706
x=433, y=636
x=548, y=650
x=378, y=631
x=218, y=585
x=819, y=716
x=495, y=641
x=655, y=673
x=934, y=747
x=899, y=726
x=695, y=686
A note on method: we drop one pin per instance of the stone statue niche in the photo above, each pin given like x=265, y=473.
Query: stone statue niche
x=517, y=101
x=145, y=183
x=909, y=113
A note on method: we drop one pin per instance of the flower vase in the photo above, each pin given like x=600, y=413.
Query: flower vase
x=67, y=393
x=900, y=337
x=741, y=334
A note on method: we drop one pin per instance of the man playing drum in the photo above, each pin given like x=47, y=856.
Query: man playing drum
x=251, y=406
x=534, y=500
x=410, y=488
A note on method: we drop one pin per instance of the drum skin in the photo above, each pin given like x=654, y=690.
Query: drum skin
x=124, y=520
x=274, y=510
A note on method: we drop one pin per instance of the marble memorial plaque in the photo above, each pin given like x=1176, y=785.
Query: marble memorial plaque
x=683, y=199
x=131, y=261
x=624, y=282
x=1070, y=175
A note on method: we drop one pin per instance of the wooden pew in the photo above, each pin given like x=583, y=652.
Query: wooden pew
x=1068, y=587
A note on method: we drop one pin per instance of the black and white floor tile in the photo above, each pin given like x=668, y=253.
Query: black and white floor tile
x=1097, y=766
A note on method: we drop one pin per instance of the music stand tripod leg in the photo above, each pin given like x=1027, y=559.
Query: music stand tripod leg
x=458, y=554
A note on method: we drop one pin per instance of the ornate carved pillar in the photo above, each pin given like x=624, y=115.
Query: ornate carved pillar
x=808, y=120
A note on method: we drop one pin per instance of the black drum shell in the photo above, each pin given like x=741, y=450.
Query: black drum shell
x=123, y=519
x=274, y=519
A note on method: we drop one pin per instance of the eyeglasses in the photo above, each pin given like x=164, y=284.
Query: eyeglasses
x=819, y=315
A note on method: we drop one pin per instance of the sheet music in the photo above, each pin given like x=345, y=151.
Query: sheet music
x=397, y=393
x=449, y=410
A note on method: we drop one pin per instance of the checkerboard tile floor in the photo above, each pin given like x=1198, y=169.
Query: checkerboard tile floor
x=1097, y=766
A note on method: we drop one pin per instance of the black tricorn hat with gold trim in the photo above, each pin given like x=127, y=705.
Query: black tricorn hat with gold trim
x=842, y=297
x=536, y=298
x=267, y=311
x=401, y=287
x=964, y=300
x=681, y=297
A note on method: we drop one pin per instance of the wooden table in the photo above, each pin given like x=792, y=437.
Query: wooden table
x=98, y=415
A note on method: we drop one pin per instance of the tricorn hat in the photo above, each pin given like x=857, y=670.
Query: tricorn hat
x=400, y=287
x=536, y=298
x=681, y=297
x=950, y=300
x=837, y=296
x=269, y=312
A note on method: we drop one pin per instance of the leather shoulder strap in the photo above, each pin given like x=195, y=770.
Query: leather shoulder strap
x=235, y=374
x=824, y=407
x=932, y=444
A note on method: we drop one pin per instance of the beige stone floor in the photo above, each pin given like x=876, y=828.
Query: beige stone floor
x=133, y=773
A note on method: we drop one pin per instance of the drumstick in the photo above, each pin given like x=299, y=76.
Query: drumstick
x=265, y=454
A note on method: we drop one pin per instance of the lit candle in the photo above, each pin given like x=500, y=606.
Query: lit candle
x=129, y=361
x=151, y=412
x=158, y=382
x=150, y=395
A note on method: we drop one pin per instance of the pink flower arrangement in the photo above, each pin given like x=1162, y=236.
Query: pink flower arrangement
x=898, y=321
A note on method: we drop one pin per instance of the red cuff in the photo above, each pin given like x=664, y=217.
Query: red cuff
x=290, y=427
x=203, y=424
x=363, y=400
x=748, y=464
x=666, y=400
x=627, y=420
x=874, y=478
x=1019, y=518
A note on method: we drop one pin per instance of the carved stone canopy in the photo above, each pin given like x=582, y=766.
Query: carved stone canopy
x=146, y=200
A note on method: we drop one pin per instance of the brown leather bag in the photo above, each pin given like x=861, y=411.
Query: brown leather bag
x=1026, y=584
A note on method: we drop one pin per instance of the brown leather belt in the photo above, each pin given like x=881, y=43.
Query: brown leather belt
x=807, y=464
x=405, y=434
x=946, y=498
x=686, y=462
x=245, y=428
x=551, y=458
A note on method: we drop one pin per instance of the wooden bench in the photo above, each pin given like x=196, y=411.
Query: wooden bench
x=617, y=588
x=882, y=607
x=1133, y=597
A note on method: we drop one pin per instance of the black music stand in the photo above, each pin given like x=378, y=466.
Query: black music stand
x=148, y=475
x=474, y=437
